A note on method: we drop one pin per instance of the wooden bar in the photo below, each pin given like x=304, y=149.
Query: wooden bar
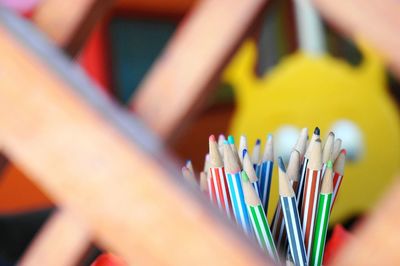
x=193, y=59
x=96, y=159
x=62, y=241
x=377, y=241
x=377, y=21
x=68, y=23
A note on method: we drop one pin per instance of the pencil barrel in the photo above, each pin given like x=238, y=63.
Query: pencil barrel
x=262, y=230
x=321, y=227
x=265, y=176
x=238, y=202
x=293, y=230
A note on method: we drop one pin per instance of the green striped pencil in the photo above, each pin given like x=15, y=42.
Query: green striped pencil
x=258, y=218
x=321, y=224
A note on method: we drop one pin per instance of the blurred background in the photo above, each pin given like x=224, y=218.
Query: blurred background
x=269, y=86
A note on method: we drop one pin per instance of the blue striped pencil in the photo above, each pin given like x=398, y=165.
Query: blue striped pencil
x=255, y=156
x=242, y=146
x=233, y=176
x=278, y=223
x=265, y=172
x=292, y=219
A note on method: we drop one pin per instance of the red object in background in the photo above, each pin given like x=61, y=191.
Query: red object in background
x=340, y=236
x=108, y=259
x=94, y=57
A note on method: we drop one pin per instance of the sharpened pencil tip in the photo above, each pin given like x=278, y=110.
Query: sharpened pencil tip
x=329, y=164
x=211, y=138
x=258, y=142
x=225, y=142
x=281, y=164
x=344, y=151
x=244, y=152
x=231, y=139
x=245, y=177
x=317, y=131
x=318, y=140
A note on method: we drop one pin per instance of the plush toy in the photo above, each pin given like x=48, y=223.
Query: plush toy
x=308, y=91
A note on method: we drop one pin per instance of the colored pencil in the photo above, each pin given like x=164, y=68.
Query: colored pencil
x=300, y=192
x=336, y=149
x=292, y=220
x=278, y=224
x=327, y=151
x=221, y=140
x=310, y=196
x=255, y=156
x=242, y=146
x=218, y=178
x=338, y=169
x=188, y=175
x=203, y=182
x=231, y=141
x=322, y=218
x=248, y=168
x=301, y=143
x=233, y=175
x=265, y=173
x=258, y=219
x=206, y=168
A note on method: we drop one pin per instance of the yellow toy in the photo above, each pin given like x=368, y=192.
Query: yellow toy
x=309, y=91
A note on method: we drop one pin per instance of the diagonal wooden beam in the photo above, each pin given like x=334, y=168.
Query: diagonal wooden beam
x=193, y=59
x=62, y=241
x=377, y=240
x=377, y=21
x=92, y=157
x=68, y=23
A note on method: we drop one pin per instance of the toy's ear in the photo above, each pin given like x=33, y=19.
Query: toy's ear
x=240, y=71
x=372, y=67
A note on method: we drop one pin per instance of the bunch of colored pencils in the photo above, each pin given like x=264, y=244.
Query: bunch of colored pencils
x=239, y=184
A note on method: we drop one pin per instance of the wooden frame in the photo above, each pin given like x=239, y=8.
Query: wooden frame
x=131, y=195
x=178, y=82
x=68, y=23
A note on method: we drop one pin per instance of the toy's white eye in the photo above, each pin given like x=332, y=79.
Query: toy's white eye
x=352, y=138
x=285, y=139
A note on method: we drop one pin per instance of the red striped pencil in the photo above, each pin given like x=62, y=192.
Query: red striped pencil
x=310, y=196
x=218, y=178
x=300, y=192
x=338, y=169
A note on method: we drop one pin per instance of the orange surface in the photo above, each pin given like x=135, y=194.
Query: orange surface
x=18, y=193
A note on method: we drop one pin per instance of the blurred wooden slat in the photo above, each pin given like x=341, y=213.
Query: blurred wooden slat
x=378, y=21
x=62, y=241
x=177, y=7
x=377, y=241
x=68, y=23
x=92, y=157
x=194, y=57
